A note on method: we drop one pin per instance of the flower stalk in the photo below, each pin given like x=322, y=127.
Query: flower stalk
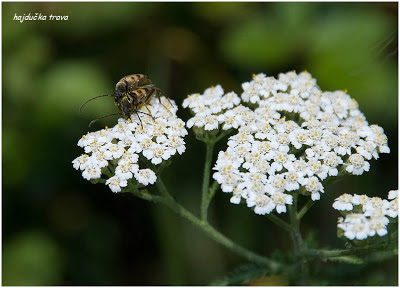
x=290, y=138
x=205, y=196
x=295, y=233
x=305, y=209
x=279, y=222
x=207, y=228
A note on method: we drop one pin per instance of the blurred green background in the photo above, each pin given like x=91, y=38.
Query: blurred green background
x=59, y=229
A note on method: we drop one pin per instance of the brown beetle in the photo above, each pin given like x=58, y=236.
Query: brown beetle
x=131, y=93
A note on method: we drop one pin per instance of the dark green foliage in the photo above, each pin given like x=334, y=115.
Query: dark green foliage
x=241, y=275
x=59, y=229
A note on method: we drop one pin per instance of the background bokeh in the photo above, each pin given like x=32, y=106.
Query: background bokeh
x=59, y=229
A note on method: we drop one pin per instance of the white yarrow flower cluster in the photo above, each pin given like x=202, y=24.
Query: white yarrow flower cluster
x=290, y=135
x=117, y=150
x=209, y=109
x=365, y=216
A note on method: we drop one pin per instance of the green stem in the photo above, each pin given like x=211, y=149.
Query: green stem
x=145, y=195
x=305, y=208
x=214, y=234
x=206, y=181
x=222, y=135
x=213, y=189
x=295, y=225
x=279, y=222
x=297, y=239
x=349, y=252
x=158, y=170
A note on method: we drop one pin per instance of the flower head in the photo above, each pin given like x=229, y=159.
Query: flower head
x=118, y=154
x=368, y=216
x=289, y=130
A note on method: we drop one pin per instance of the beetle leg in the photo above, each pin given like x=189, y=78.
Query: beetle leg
x=141, y=124
x=159, y=93
x=149, y=112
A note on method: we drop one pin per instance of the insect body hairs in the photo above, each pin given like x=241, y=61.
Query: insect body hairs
x=131, y=93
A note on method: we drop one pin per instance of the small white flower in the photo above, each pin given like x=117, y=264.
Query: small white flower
x=191, y=101
x=81, y=162
x=315, y=167
x=357, y=165
x=293, y=181
x=237, y=196
x=121, y=130
x=93, y=146
x=197, y=121
x=344, y=203
x=377, y=225
x=157, y=138
x=176, y=144
x=229, y=120
x=300, y=137
x=331, y=160
x=290, y=131
x=355, y=226
x=228, y=182
x=368, y=150
x=91, y=172
x=176, y=128
x=280, y=200
x=211, y=122
x=145, y=176
x=393, y=194
x=156, y=153
x=115, y=183
x=113, y=151
x=126, y=169
x=99, y=158
x=230, y=100
x=313, y=185
x=393, y=209
x=371, y=221
x=262, y=203
x=282, y=159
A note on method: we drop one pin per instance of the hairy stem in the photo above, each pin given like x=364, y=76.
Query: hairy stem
x=214, y=187
x=222, y=135
x=297, y=240
x=145, y=195
x=279, y=222
x=305, y=208
x=295, y=225
x=211, y=232
x=206, y=181
x=320, y=253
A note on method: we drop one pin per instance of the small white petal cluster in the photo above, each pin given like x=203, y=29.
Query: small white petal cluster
x=365, y=216
x=117, y=150
x=290, y=135
x=209, y=108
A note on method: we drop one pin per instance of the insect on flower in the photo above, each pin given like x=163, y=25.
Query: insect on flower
x=131, y=93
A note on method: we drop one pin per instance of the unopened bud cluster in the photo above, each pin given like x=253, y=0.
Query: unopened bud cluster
x=365, y=216
x=115, y=153
x=291, y=136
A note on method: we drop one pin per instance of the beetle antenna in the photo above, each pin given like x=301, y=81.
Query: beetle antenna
x=93, y=99
x=93, y=121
